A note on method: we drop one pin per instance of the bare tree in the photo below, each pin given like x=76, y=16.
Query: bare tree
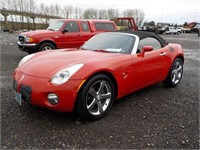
x=77, y=12
x=67, y=11
x=113, y=13
x=90, y=13
x=55, y=10
x=41, y=9
x=20, y=7
x=31, y=6
x=103, y=14
x=137, y=14
x=5, y=5
x=47, y=10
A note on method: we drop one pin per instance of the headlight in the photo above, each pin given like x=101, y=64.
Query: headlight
x=25, y=59
x=29, y=39
x=64, y=75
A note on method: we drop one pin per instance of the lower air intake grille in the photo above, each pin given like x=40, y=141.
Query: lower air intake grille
x=26, y=92
x=15, y=85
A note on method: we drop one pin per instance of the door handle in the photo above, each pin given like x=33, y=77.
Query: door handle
x=163, y=54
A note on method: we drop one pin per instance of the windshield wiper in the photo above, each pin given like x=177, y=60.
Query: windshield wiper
x=101, y=50
x=97, y=50
x=51, y=29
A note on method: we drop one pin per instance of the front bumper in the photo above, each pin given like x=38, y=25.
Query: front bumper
x=35, y=90
x=30, y=48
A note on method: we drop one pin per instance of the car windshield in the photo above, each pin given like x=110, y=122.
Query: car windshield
x=111, y=42
x=55, y=25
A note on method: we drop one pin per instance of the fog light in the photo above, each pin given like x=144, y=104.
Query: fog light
x=53, y=99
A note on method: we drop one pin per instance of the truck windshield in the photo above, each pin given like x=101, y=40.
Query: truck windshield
x=55, y=25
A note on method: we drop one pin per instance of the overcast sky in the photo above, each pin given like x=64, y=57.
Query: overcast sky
x=167, y=11
x=171, y=11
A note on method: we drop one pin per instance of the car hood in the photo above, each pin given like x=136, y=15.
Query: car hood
x=46, y=64
x=37, y=32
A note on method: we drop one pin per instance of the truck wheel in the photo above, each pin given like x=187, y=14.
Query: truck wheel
x=46, y=46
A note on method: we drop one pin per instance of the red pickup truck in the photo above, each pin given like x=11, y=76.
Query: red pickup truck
x=63, y=33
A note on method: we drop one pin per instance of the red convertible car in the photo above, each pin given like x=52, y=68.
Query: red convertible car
x=107, y=67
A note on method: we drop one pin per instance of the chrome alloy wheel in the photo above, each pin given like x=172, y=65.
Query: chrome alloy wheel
x=177, y=72
x=98, y=97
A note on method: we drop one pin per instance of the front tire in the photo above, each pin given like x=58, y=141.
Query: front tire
x=175, y=73
x=95, y=98
x=46, y=46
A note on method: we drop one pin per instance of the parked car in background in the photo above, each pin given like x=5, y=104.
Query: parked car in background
x=172, y=30
x=5, y=30
x=63, y=33
x=182, y=30
x=107, y=67
x=161, y=30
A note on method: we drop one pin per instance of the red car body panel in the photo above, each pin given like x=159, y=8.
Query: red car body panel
x=67, y=94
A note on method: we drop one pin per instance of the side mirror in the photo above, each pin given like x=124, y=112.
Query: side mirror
x=65, y=30
x=146, y=49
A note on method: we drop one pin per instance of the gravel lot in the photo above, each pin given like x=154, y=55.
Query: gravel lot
x=153, y=118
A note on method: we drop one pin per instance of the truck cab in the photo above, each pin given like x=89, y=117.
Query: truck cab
x=63, y=33
x=127, y=23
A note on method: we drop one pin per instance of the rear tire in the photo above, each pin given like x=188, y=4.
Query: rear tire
x=175, y=73
x=46, y=46
x=95, y=98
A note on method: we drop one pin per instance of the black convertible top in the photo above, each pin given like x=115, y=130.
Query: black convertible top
x=145, y=34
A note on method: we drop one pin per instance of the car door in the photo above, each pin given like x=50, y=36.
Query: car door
x=153, y=65
x=150, y=68
x=71, y=36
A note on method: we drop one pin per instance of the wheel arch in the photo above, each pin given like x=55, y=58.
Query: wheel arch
x=110, y=75
x=179, y=56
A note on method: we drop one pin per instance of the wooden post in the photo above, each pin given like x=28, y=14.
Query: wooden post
x=33, y=17
x=5, y=19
